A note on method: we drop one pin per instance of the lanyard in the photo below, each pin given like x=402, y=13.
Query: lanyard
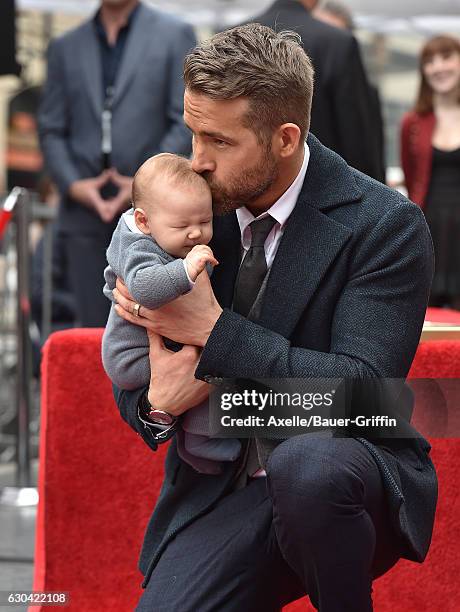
x=106, y=122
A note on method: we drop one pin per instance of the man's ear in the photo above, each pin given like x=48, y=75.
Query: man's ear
x=286, y=139
x=141, y=220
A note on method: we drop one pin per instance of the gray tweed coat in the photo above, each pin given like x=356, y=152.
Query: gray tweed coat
x=346, y=298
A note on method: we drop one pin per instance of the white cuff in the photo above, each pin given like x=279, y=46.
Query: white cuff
x=191, y=283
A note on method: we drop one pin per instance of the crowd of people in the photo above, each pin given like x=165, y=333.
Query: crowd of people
x=99, y=120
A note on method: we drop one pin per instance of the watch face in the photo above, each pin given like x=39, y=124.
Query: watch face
x=163, y=418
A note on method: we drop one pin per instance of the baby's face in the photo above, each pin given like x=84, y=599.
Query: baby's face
x=181, y=218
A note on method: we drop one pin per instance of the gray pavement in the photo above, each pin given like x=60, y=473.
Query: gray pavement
x=17, y=538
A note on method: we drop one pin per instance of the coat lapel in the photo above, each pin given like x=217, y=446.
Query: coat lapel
x=139, y=35
x=309, y=245
x=91, y=67
x=311, y=240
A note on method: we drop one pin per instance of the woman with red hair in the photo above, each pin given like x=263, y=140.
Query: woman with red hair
x=430, y=151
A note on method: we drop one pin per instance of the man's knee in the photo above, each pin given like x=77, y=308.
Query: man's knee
x=315, y=472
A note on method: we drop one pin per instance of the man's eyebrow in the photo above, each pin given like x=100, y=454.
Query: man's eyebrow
x=218, y=135
x=211, y=134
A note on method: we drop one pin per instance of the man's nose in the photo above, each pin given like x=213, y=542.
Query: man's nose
x=202, y=162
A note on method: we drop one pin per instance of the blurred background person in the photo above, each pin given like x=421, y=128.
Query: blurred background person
x=342, y=116
x=430, y=155
x=113, y=97
x=339, y=15
x=335, y=14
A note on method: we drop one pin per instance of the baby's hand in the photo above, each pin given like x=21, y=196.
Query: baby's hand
x=197, y=258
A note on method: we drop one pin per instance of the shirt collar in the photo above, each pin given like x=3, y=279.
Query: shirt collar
x=100, y=28
x=128, y=218
x=284, y=206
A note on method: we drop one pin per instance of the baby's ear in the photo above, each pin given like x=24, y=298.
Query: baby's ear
x=141, y=220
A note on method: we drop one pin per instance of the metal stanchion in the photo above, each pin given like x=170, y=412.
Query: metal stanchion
x=46, y=214
x=47, y=281
x=24, y=344
x=23, y=494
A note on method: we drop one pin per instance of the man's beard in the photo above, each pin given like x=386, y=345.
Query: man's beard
x=243, y=189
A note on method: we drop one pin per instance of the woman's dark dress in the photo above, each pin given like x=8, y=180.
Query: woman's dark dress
x=442, y=213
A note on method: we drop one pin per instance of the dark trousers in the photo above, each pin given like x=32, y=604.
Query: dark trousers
x=318, y=524
x=86, y=261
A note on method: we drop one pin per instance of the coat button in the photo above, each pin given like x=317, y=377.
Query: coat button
x=213, y=380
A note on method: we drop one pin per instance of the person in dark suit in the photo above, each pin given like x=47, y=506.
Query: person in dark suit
x=339, y=16
x=339, y=290
x=342, y=115
x=113, y=98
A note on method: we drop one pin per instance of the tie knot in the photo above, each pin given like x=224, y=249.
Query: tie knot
x=260, y=229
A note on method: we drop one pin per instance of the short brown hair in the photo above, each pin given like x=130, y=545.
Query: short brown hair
x=269, y=68
x=166, y=165
x=443, y=44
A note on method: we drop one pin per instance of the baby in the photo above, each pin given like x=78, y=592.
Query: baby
x=158, y=249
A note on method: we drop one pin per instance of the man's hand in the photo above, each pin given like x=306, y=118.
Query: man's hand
x=125, y=187
x=173, y=386
x=197, y=259
x=88, y=192
x=189, y=319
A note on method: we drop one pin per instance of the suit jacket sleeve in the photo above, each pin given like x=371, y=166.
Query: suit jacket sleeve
x=354, y=106
x=177, y=138
x=53, y=122
x=128, y=402
x=376, y=324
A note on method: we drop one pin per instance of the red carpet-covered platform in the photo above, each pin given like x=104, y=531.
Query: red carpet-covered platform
x=98, y=483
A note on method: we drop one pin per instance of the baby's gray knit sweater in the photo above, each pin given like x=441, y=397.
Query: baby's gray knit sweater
x=153, y=278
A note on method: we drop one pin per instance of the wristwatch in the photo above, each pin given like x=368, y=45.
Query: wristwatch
x=161, y=424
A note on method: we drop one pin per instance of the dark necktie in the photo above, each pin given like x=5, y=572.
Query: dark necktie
x=254, y=267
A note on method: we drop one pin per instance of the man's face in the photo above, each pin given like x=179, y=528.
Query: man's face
x=237, y=167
